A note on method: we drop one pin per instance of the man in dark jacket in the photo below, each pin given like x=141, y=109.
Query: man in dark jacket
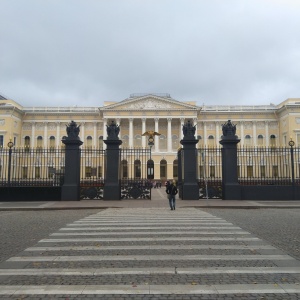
x=171, y=190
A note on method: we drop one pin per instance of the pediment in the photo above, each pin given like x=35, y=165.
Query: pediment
x=150, y=103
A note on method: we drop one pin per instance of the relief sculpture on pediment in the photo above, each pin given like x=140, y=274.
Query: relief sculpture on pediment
x=149, y=104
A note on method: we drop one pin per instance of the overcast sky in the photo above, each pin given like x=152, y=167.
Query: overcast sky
x=85, y=52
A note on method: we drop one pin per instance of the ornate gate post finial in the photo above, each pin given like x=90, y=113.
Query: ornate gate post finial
x=113, y=131
x=229, y=129
x=73, y=131
x=188, y=131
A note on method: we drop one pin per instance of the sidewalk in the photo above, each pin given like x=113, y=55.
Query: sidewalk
x=159, y=200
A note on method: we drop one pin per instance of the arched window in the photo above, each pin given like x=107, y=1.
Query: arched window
x=162, y=143
x=39, y=143
x=27, y=142
x=150, y=169
x=52, y=142
x=211, y=141
x=272, y=140
x=200, y=141
x=248, y=140
x=175, y=142
x=125, y=141
x=100, y=142
x=163, y=169
x=260, y=140
x=138, y=141
x=137, y=168
x=89, y=142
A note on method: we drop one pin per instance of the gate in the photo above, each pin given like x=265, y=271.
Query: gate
x=210, y=173
x=136, y=171
x=92, y=172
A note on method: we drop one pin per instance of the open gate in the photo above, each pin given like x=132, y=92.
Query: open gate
x=136, y=172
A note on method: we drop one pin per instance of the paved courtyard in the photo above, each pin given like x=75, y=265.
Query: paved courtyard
x=148, y=253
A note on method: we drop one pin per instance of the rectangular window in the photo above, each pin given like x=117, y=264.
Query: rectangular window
x=175, y=171
x=249, y=171
x=37, y=172
x=1, y=141
x=100, y=171
x=125, y=172
x=51, y=172
x=212, y=171
x=88, y=172
x=94, y=171
x=275, y=171
x=24, y=172
x=137, y=171
x=15, y=141
x=263, y=171
x=201, y=171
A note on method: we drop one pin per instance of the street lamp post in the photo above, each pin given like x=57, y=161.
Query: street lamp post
x=292, y=144
x=150, y=144
x=10, y=144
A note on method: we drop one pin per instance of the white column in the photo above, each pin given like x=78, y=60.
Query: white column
x=118, y=122
x=130, y=133
x=95, y=138
x=217, y=124
x=82, y=133
x=143, y=131
x=45, y=134
x=32, y=141
x=254, y=134
x=57, y=134
x=267, y=133
x=156, y=142
x=205, y=142
x=195, y=123
x=242, y=133
x=181, y=125
x=104, y=133
x=169, y=135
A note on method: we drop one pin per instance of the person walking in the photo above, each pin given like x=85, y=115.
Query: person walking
x=171, y=190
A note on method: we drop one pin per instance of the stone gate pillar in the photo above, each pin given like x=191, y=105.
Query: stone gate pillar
x=71, y=187
x=229, y=140
x=190, y=188
x=112, y=186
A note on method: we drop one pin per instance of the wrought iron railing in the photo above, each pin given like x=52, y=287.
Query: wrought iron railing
x=210, y=172
x=31, y=166
x=92, y=173
x=268, y=165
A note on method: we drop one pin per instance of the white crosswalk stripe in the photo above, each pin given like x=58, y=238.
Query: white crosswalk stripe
x=151, y=252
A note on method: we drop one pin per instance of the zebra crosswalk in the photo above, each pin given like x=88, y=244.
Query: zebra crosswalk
x=145, y=252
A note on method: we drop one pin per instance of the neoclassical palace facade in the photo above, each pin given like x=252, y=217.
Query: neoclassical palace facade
x=44, y=127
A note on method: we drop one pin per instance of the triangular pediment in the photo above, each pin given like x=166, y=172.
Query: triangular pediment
x=150, y=102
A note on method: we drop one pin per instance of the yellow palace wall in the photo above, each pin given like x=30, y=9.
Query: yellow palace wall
x=259, y=125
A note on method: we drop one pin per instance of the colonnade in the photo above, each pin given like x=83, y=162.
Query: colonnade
x=201, y=129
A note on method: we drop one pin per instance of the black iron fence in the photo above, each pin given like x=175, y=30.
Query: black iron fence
x=209, y=172
x=255, y=166
x=92, y=170
x=135, y=172
x=268, y=166
x=31, y=167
